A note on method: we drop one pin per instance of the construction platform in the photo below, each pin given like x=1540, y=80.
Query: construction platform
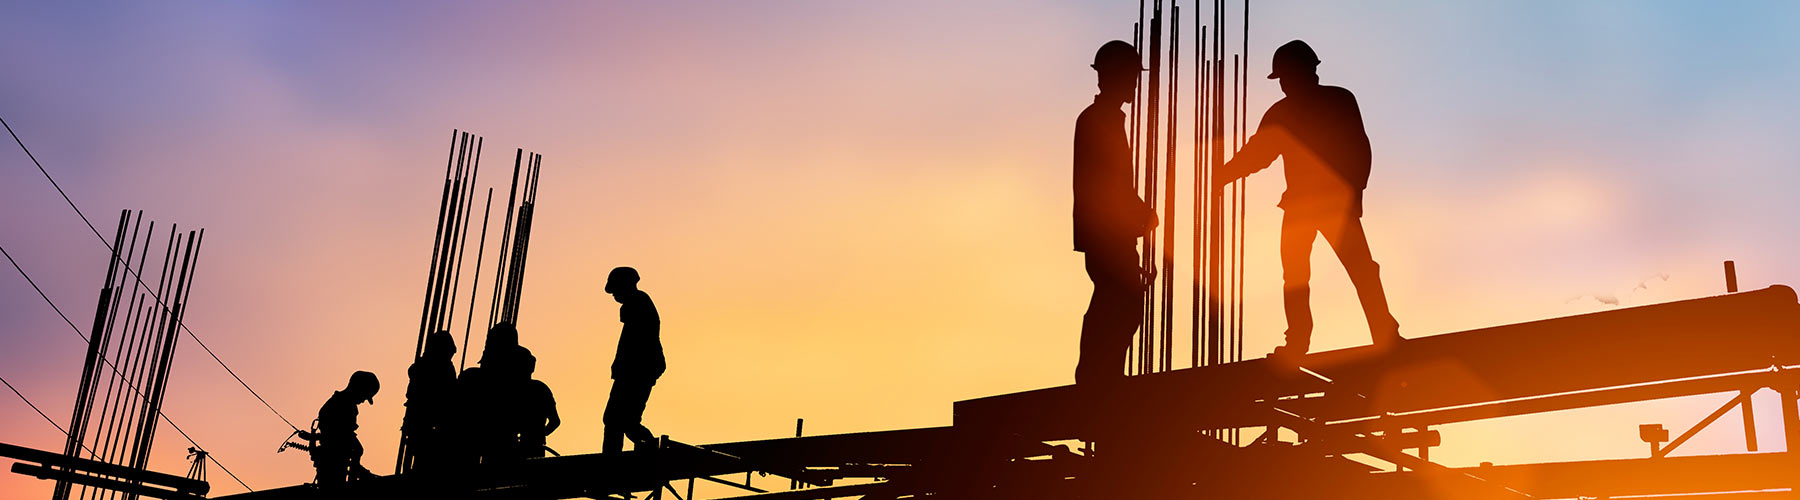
x=1158, y=435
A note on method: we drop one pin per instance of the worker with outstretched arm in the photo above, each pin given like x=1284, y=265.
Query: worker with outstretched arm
x=1317, y=130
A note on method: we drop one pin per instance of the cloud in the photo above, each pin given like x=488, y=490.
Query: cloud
x=1612, y=299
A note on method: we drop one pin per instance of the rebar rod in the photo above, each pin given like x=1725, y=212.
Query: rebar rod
x=480, y=249
x=437, y=240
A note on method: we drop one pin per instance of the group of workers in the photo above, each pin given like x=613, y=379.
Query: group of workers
x=1317, y=131
x=494, y=412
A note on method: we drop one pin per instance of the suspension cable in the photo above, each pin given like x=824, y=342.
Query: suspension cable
x=109, y=364
x=139, y=278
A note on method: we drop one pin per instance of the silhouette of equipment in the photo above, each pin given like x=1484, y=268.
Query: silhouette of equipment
x=1351, y=401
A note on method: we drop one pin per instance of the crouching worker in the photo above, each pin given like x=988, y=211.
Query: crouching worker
x=338, y=455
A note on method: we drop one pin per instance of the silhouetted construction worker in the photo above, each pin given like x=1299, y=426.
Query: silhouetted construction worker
x=1109, y=217
x=637, y=364
x=338, y=455
x=431, y=381
x=1317, y=130
x=536, y=407
x=484, y=402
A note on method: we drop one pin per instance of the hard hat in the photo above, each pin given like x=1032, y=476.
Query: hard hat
x=1293, y=58
x=440, y=341
x=501, y=336
x=620, y=277
x=1117, y=54
x=366, y=381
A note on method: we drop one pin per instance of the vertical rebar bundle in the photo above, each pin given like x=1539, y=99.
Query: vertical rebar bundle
x=449, y=249
x=510, y=278
x=1220, y=127
x=125, y=373
x=1146, y=345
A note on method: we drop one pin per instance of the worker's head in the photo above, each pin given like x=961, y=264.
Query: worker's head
x=1117, y=64
x=500, y=337
x=621, y=280
x=1296, y=65
x=526, y=364
x=363, y=386
x=439, y=345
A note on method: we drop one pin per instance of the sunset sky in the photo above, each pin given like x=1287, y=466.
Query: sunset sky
x=855, y=213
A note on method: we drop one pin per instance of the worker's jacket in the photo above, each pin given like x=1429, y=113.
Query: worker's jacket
x=1318, y=133
x=1108, y=211
x=337, y=427
x=640, y=354
x=537, y=405
x=429, y=386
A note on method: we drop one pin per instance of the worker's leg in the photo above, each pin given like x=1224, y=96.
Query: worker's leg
x=1352, y=246
x=1297, y=234
x=1113, y=312
x=624, y=415
x=331, y=467
x=640, y=436
x=613, y=437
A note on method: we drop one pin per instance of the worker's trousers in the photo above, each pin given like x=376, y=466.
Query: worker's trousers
x=1114, y=312
x=1344, y=232
x=625, y=413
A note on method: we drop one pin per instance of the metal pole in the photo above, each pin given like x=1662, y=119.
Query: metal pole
x=1148, y=259
x=480, y=249
x=437, y=239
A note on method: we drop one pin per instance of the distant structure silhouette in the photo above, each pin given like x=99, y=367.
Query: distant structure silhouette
x=536, y=408
x=636, y=366
x=431, y=383
x=338, y=455
x=1318, y=131
x=1109, y=217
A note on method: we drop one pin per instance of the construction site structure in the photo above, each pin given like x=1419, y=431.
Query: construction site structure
x=1156, y=435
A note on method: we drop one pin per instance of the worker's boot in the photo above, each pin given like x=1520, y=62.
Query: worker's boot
x=1293, y=350
x=1386, y=334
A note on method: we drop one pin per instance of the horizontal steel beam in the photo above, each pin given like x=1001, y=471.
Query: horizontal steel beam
x=1677, y=340
x=41, y=472
x=58, y=460
x=1569, y=401
x=1643, y=476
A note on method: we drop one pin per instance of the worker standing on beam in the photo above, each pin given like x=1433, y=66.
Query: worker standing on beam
x=1318, y=132
x=431, y=381
x=338, y=455
x=1109, y=217
x=536, y=409
x=636, y=366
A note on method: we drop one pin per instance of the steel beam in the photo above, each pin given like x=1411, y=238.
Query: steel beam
x=1743, y=331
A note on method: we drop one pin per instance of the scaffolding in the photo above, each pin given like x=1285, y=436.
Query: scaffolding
x=1320, y=425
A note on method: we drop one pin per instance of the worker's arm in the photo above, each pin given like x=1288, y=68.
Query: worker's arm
x=555, y=420
x=1270, y=141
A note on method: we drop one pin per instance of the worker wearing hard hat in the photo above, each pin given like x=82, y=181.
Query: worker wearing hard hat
x=636, y=365
x=1109, y=217
x=1317, y=130
x=338, y=455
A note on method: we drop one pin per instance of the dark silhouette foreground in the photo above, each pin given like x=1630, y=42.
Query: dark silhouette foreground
x=1109, y=218
x=636, y=366
x=1317, y=130
x=337, y=453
